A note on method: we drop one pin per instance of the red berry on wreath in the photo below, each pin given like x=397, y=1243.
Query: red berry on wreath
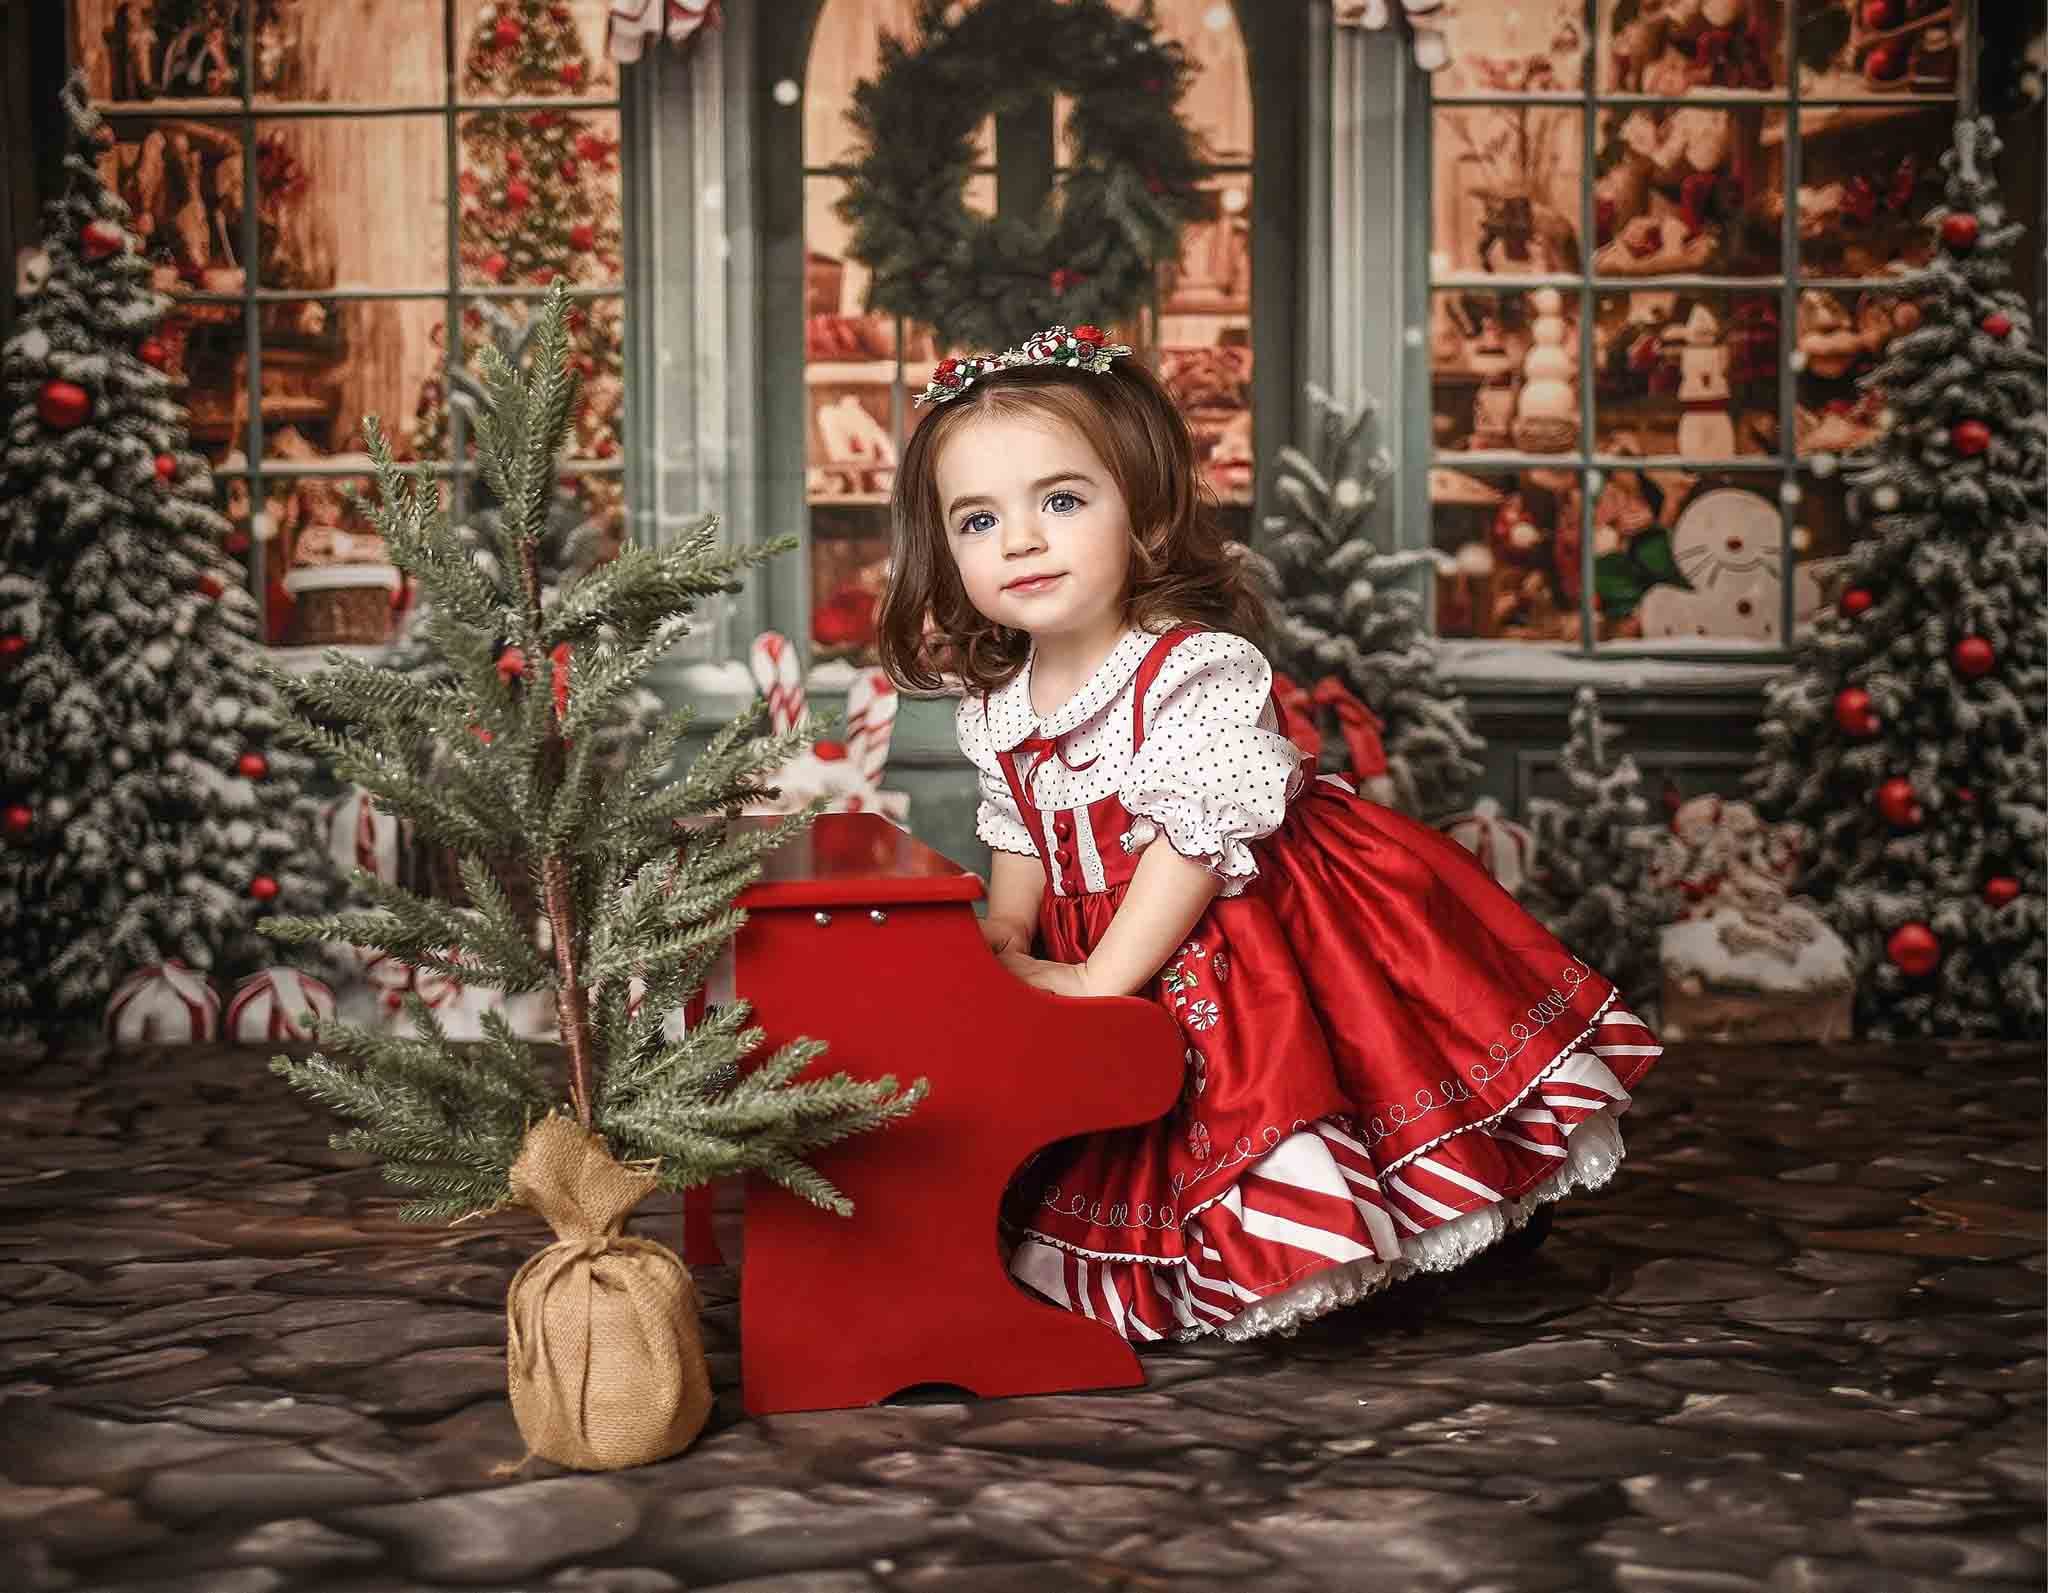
x=263, y=888
x=493, y=266
x=1973, y=656
x=507, y=32
x=1959, y=231
x=98, y=239
x=1855, y=601
x=1970, y=437
x=63, y=404
x=166, y=467
x=1913, y=950
x=583, y=236
x=153, y=352
x=570, y=170
x=18, y=821
x=11, y=648
x=2000, y=889
x=1998, y=324
x=252, y=766
x=1853, y=712
x=518, y=194
x=1088, y=334
x=1895, y=800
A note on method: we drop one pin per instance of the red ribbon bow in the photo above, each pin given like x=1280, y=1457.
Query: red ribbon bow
x=1042, y=750
x=1358, y=724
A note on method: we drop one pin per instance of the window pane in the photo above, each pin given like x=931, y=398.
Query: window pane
x=1535, y=47
x=325, y=562
x=1725, y=537
x=328, y=363
x=1689, y=190
x=1504, y=371
x=540, y=198
x=1515, y=539
x=1680, y=50
x=1843, y=337
x=1873, y=48
x=846, y=49
x=849, y=563
x=188, y=50
x=1507, y=190
x=182, y=182
x=351, y=203
x=1868, y=180
x=597, y=344
x=531, y=49
x=315, y=53
x=1686, y=372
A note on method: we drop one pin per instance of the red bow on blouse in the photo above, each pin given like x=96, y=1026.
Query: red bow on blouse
x=1042, y=750
x=1359, y=725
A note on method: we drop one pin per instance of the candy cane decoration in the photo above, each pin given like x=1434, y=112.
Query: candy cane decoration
x=779, y=674
x=870, y=716
x=270, y=1006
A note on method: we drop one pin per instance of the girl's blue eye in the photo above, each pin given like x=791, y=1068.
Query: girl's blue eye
x=971, y=523
x=1053, y=502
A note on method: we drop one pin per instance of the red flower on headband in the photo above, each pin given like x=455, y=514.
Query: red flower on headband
x=1087, y=334
x=947, y=371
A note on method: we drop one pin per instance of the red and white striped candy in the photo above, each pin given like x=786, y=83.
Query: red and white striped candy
x=871, y=705
x=779, y=674
x=360, y=835
x=271, y=1006
x=1506, y=848
x=163, y=1004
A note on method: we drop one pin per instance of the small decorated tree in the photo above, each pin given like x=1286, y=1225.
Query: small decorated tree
x=636, y=882
x=149, y=812
x=1908, y=738
x=1593, y=889
x=1348, y=633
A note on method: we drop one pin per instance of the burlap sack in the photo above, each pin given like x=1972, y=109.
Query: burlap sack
x=603, y=1355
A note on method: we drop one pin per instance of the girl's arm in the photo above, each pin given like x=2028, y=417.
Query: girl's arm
x=1168, y=894
x=1015, y=885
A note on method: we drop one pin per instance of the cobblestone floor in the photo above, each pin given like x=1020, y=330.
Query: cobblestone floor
x=1796, y=1346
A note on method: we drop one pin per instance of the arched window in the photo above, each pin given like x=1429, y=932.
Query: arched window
x=860, y=371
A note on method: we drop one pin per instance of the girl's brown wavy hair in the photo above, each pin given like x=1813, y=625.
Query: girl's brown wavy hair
x=1183, y=569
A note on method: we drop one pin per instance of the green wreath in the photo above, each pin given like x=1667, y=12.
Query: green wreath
x=1118, y=209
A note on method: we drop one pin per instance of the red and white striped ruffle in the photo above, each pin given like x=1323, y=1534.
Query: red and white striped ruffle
x=1319, y=1222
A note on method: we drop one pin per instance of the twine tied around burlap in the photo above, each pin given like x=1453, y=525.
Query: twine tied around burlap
x=604, y=1357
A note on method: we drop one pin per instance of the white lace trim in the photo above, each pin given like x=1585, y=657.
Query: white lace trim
x=1594, y=1152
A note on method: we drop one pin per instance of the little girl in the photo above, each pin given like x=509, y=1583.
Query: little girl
x=1389, y=1064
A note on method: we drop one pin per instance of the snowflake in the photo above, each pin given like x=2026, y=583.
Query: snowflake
x=1220, y=966
x=1203, y=1015
x=1198, y=1142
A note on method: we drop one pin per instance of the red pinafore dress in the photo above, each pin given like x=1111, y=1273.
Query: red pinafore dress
x=1389, y=1065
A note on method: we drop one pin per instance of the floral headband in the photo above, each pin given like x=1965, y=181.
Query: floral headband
x=1082, y=349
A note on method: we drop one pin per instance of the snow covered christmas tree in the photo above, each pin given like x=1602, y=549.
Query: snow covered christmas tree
x=1593, y=888
x=1909, y=737
x=150, y=812
x=1347, y=633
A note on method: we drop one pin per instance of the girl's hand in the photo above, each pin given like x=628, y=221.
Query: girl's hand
x=1060, y=978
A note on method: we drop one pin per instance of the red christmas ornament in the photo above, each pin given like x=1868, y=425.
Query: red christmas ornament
x=153, y=352
x=511, y=665
x=17, y=821
x=1970, y=437
x=63, y=404
x=1879, y=15
x=1959, y=231
x=211, y=584
x=263, y=888
x=11, y=648
x=1913, y=950
x=2000, y=889
x=1973, y=656
x=571, y=171
x=1853, y=712
x=507, y=32
x=572, y=73
x=494, y=266
x=252, y=765
x=1887, y=62
x=517, y=194
x=1855, y=601
x=166, y=467
x=1998, y=324
x=582, y=236
x=591, y=147
x=1088, y=334
x=99, y=239
x=1895, y=800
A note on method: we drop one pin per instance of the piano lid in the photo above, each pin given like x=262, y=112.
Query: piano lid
x=856, y=860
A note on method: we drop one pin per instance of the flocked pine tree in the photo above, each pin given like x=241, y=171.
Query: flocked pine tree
x=1909, y=735
x=635, y=877
x=1593, y=889
x=151, y=813
x=1340, y=610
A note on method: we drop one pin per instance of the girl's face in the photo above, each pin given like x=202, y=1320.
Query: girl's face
x=1036, y=526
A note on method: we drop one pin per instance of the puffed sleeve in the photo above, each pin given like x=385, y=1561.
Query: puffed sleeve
x=1209, y=776
x=996, y=819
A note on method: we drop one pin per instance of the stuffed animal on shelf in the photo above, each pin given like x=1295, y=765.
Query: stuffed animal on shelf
x=848, y=773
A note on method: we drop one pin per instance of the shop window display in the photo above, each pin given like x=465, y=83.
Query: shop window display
x=862, y=370
x=344, y=273
x=1613, y=268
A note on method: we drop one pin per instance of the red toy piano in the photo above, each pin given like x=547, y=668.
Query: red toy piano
x=860, y=936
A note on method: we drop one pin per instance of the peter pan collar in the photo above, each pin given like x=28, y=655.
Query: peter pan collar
x=1009, y=715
